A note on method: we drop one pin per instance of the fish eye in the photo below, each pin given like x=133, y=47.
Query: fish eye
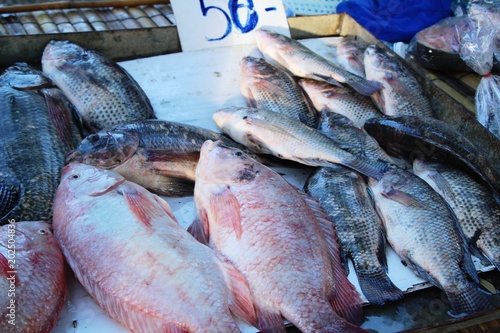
x=75, y=176
x=238, y=153
x=42, y=231
x=118, y=160
x=85, y=57
x=93, y=138
x=245, y=117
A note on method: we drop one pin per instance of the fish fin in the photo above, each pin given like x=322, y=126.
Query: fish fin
x=199, y=229
x=326, y=78
x=161, y=155
x=10, y=197
x=7, y=271
x=365, y=87
x=241, y=302
x=346, y=301
x=442, y=184
x=166, y=207
x=271, y=87
x=474, y=250
x=60, y=116
x=467, y=300
x=140, y=205
x=269, y=322
x=174, y=187
x=378, y=287
x=256, y=144
x=403, y=198
x=344, y=261
x=226, y=208
x=371, y=168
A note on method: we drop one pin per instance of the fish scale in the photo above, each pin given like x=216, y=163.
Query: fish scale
x=102, y=91
x=425, y=234
x=477, y=211
x=32, y=148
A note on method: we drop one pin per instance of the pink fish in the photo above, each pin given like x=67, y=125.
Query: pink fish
x=285, y=249
x=32, y=281
x=147, y=272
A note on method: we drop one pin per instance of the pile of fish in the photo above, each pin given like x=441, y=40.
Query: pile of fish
x=383, y=170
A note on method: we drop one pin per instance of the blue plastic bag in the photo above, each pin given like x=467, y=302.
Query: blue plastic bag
x=396, y=20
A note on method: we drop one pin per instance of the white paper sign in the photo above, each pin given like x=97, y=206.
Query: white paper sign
x=204, y=24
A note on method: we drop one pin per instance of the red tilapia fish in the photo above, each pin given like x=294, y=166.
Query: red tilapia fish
x=282, y=244
x=32, y=283
x=146, y=271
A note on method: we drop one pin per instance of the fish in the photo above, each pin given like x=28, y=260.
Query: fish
x=143, y=269
x=157, y=154
x=402, y=94
x=349, y=55
x=269, y=132
x=476, y=210
x=343, y=195
x=268, y=87
x=284, y=248
x=103, y=93
x=302, y=62
x=410, y=137
x=33, y=281
x=353, y=139
x=37, y=128
x=424, y=233
x=325, y=96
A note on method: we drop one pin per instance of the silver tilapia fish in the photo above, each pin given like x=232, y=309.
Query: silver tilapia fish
x=284, y=247
x=402, y=94
x=303, y=62
x=425, y=234
x=32, y=280
x=145, y=271
x=37, y=129
x=343, y=196
x=353, y=139
x=268, y=87
x=477, y=212
x=349, y=55
x=269, y=132
x=347, y=102
x=103, y=92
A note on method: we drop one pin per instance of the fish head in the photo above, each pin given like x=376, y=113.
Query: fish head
x=82, y=180
x=24, y=77
x=233, y=121
x=106, y=149
x=31, y=235
x=378, y=59
x=64, y=56
x=219, y=163
x=252, y=67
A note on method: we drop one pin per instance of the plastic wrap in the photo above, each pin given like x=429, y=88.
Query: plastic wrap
x=477, y=49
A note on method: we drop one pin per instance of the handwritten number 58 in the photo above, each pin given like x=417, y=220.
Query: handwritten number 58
x=234, y=17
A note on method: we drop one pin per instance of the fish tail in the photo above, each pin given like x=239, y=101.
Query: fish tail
x=371, y=168
x=378, y=288
x=10, y=196
x=365, y=87
x=467, y=300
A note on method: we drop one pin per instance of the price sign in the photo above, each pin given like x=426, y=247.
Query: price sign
x=211, y=23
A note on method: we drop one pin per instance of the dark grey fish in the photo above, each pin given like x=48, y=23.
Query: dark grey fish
x=476, y=210
x=411, y=137
x=343, y=196
x=156, y=154
x=103, y=92
x=425, y=234
x=353, y=139
x=37, y=129
x=267, y=87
